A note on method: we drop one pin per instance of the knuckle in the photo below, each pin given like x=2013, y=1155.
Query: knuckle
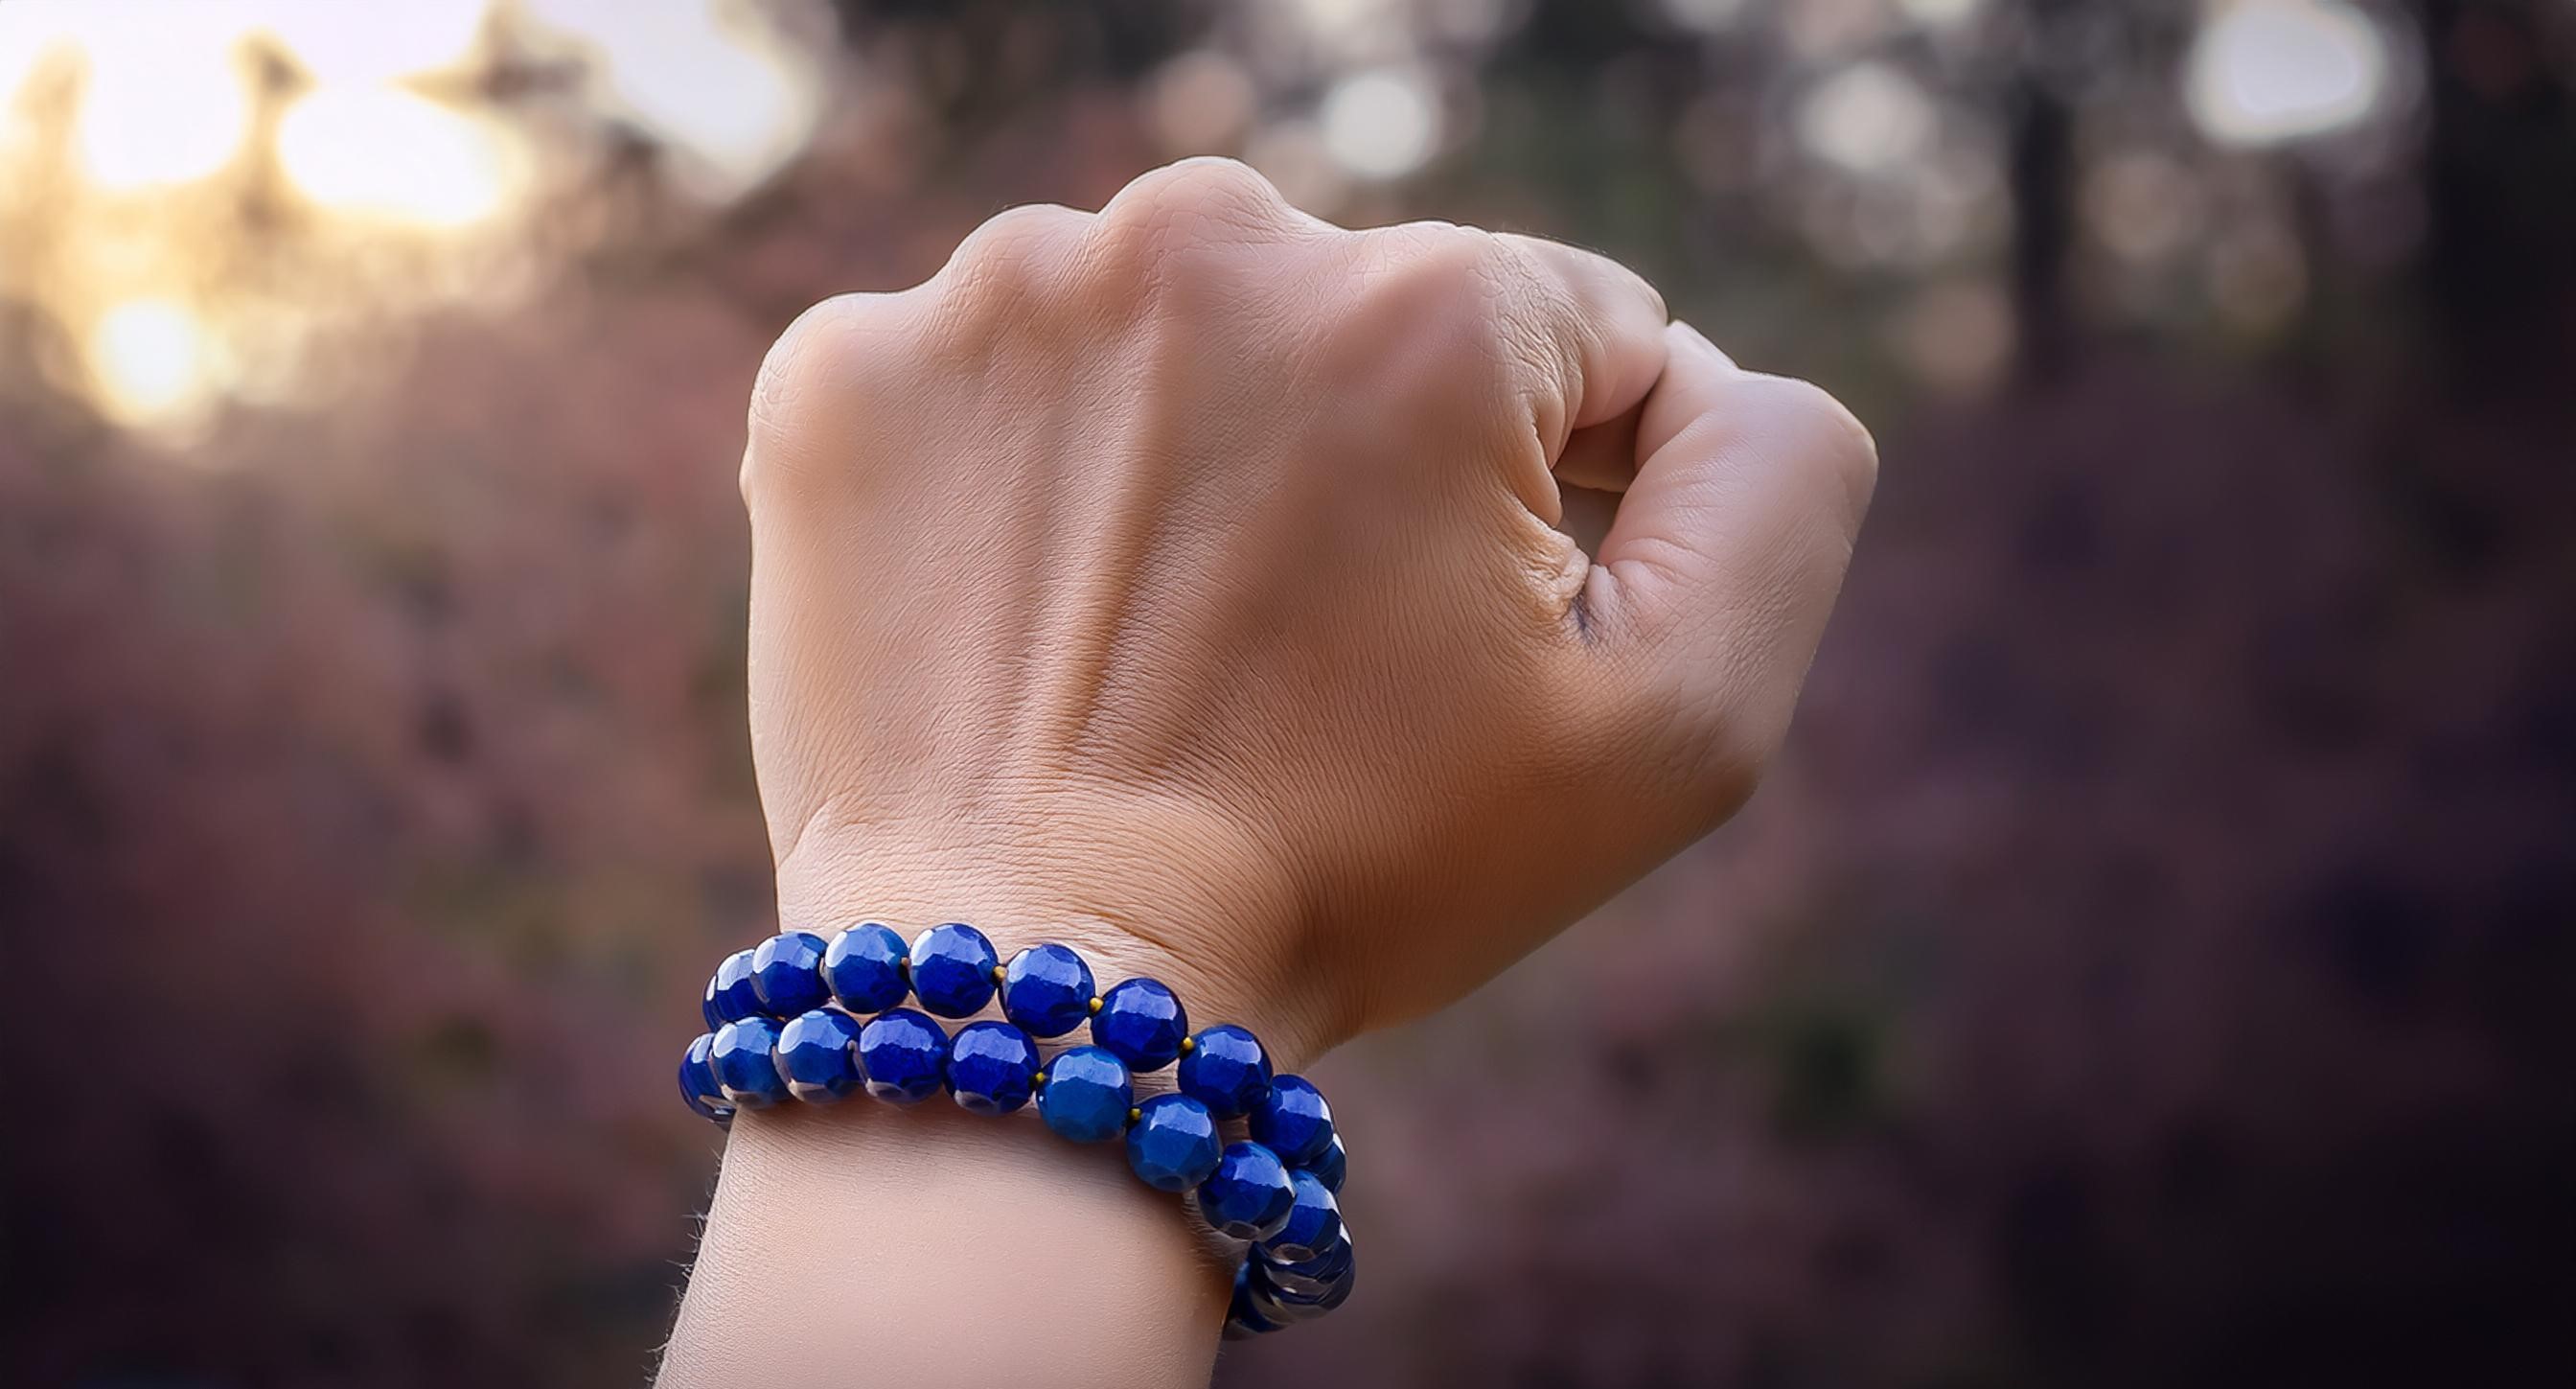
x=1205, y=198
x=1011, y=254
x=1842, y=445
x=806, y=381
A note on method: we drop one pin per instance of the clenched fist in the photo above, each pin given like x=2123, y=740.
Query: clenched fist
x=1190, y=582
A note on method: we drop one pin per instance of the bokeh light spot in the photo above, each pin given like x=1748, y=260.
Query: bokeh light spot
x=161, y=100
x=1381, y=124
x=149, y=358
x=2266, y=71
x=1868, y=118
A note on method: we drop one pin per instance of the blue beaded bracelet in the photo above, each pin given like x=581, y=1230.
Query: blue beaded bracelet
x=803, y=1018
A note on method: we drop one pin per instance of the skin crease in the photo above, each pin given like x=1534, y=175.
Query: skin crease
x=1190, y=582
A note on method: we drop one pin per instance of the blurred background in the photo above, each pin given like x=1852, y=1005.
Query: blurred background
x=2150, y=965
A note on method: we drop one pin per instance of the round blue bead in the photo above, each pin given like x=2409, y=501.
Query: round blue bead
x=1142, y=1023
x=817, y=1053
x=744, y=1058
x=1243, y=1318
x=952, y=969
x=787, y=974
x=1314, y=1223
x=1047, y=990
x=1294, y=1120
x=1309, y=1278
x=991, y=1067
x=864, y=968
x=1226, y=1070
x=1088, y=1093
x=698, y=1082
x=1333, y=1167
x=730, y=997
x=904, y=1054
x=1249, y=1195
x=1172, y=1146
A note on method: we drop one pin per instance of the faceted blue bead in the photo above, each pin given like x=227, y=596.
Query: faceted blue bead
x=1242, y=1317
x=1172, y=1146
x=1294, y=1120
x=864, y=968
x=1314, y=1223
x=1142, y=1023
x=730, y=997
x=1226, y=1070
x=1333, y=1167
x=744, y=1058
x=698, y=1082
x=787, y=974
x=817, y=1053
x=952, y=969
x=1088, y=1093
x=991, y=1067
x=1249, y=1195
x=904, y=1055
x=1047, y=990
x=1310, y=1278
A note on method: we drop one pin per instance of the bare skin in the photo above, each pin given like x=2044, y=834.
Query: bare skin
x=1187, y=582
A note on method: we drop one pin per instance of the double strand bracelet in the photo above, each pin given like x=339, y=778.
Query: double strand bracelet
x=802, y=1018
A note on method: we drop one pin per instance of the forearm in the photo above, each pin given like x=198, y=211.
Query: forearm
x=867, y=1245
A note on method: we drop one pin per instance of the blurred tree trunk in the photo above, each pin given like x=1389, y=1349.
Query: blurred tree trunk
x=2499, y=262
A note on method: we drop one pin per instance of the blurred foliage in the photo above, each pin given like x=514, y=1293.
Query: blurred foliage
x=2149, y=966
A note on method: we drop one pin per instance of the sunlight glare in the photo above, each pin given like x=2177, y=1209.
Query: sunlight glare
x=337, y=43
x=734, y=99
x=384, y=152
x=162, y=101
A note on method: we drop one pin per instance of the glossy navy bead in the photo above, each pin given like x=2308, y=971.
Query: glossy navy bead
x=698, y=1082
x=787, y=974
x=1226, y=1070
x=1310, y=1278
x=952, y=969
x=1314, y=1223
x=818, y=1056
x=904, y=1056
x=1047, y=990
x=1088, y=1093
x=1249, y=1195
x=991, y=1067
x=864, y=968
x=729, y=993
x=744, y=1058
x=1172, y=1145
x=1294, y=1120
x=1243, y=1318
x=1141, y=1023
x=1333, y=1167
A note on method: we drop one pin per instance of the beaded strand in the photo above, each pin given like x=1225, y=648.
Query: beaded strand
x=800, y=1018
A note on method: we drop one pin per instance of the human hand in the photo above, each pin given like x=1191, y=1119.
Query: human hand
x=1184, y=582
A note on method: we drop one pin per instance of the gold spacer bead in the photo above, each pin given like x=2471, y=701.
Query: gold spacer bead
x=1095, y=1003
x=1037, y=1080
x=1135, y=1114
x=1188, y=1045
x=999, y=974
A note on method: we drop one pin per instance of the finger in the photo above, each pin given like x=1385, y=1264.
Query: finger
x=1604, y=323
x=1601, y=457
x=1728, y=549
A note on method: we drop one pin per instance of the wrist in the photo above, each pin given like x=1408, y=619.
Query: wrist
x=1207, y=917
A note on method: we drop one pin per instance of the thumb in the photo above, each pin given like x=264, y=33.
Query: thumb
x=1727, y=552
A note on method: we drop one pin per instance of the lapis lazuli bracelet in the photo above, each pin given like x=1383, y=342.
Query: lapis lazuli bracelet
x=785, y=1021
